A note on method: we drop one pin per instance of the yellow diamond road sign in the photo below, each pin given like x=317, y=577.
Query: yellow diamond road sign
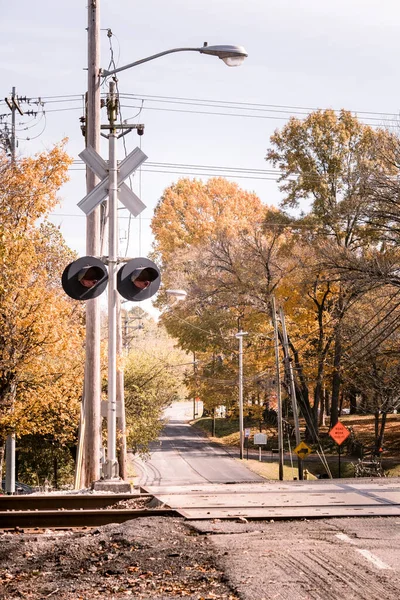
x=302, y=450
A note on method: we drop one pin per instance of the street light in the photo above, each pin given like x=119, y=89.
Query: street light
x=178, y=294
x=233, y=56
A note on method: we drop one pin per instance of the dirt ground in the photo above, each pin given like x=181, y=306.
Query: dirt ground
x=148, y=558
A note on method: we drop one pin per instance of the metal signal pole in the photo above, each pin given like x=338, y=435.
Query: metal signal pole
x=112, y=463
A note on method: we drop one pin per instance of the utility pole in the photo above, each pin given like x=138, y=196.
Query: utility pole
x=289, y=372
x=278, y=387
x=92, y=395
x=239, y=336
x=195, y=385
x=10, y=441
x=13, y=105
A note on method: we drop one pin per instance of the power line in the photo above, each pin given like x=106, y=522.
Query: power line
x=250, y=104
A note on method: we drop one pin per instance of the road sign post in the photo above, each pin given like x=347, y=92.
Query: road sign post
x=247, y=432
x=302, y=450
x=339, y=433
x=260, y=439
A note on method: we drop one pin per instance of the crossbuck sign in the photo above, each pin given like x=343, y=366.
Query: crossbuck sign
x=100, y=168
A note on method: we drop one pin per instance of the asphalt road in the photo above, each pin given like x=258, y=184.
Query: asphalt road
x=182, y=456
x=304, y=560
x=293, y=559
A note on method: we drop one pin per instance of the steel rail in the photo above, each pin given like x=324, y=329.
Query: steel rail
x=67, y=519
x=72, y=501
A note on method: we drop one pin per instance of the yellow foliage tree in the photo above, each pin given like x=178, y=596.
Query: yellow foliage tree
x=41, y=331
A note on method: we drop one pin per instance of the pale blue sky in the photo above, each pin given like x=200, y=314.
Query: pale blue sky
x=302, y=53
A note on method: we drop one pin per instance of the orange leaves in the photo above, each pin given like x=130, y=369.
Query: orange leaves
x=41, y=334
x=31, y=185
x=191, y=212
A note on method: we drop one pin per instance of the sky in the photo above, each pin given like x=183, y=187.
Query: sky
x=214, y=120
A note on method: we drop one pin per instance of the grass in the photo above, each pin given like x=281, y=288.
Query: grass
x=227, y=434
x=270, y=470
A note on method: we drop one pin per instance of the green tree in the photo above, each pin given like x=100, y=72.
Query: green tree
x=153, y=378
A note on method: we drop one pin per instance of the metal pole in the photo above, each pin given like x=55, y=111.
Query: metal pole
x=112, y=463
x=121, y=419
x=92, y=395
x=239, y=336
x=278, y=388
x=10, y=464
x=289, y=371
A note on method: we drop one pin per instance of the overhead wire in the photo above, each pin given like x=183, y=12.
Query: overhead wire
x=113, y=64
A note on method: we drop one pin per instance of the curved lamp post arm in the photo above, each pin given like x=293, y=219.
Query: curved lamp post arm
x=232, y=56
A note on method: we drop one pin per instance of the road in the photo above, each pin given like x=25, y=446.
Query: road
x=287, y=554
x=304, y=560
x=183, y=457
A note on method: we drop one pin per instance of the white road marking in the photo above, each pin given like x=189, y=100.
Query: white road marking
x=345, y=538
x=377, y=562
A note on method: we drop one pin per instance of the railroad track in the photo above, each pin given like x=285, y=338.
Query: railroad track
x=76, y=511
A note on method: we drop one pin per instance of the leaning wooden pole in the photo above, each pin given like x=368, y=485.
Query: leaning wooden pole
x=278, y=387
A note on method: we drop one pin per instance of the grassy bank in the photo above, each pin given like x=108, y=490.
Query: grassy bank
x=227, y=434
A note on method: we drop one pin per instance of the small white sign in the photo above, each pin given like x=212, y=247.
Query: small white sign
x=260, y=439
x=247, y=432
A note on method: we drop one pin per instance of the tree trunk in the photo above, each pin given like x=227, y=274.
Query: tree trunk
x=1, y=463
x=336, y=379
x=379, y=438
x=337, y=359
x=303, y=399
x=353, y=401
x=55, y=469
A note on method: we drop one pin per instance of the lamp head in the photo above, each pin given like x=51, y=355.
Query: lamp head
x=177, y=294
x=233, y=56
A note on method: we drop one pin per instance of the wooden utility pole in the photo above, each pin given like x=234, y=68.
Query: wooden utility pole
x=195, y=385
x=289, y=373
x=10, y=442
x=278, y=387
x=92, y=396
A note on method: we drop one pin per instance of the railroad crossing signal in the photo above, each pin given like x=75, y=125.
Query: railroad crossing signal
x=339, y=433
x=302, y=450
x=138, y=280
x=99, y=166
x=87, y=278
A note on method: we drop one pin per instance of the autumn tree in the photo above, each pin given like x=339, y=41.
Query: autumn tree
x=210, y=241
x=41, y=340
x=326, y=163
x=191, y=212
